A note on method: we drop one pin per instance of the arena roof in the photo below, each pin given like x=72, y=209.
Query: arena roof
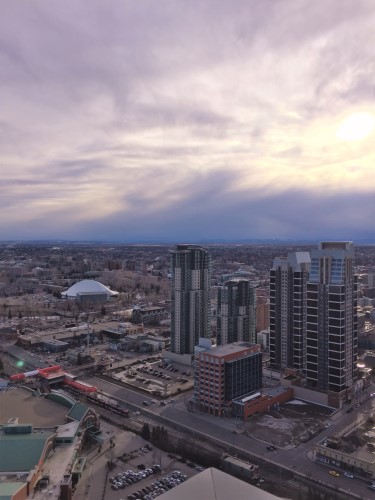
x=8, y=489
x=88, y=286
x=21, y=403
x=21, y=452
x=214, y=484
x=78, y=411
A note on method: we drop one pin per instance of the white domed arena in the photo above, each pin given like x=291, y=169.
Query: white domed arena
x=87, y=287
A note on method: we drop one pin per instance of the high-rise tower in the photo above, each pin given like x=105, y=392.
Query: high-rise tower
x=288, y=278
x=236, y=315
x=313, y=317
x=331, y=332
x=190, y=297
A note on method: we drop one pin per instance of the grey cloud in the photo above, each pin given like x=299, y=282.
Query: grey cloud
x=214, y=215
x=362, y=89
x=73, y=170
x=294, y=152
x=84, y=83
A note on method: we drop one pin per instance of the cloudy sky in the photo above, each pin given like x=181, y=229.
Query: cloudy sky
x=187, y=120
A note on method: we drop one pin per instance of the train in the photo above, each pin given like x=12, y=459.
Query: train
x=80, y=386
x=101, y=401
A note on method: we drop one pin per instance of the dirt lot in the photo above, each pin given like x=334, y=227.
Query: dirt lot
x=292, y=424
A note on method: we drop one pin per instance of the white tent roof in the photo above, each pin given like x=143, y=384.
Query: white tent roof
x=88, y=286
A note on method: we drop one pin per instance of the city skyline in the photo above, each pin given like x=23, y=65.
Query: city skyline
x=180, y=122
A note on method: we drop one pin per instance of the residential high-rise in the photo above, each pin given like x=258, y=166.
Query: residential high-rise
x=236, y=314
x=313, y=317
x=331, y=326
x=190, y=297
x=288, y=279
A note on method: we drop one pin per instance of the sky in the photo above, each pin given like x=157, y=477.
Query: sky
x=187, y=121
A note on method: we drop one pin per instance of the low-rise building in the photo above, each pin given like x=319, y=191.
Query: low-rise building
x=361, y=461
x=67, y=335
x=260, y=402
x=149, y=315
x=140, y=343
x=224, y=373
x=123, y=330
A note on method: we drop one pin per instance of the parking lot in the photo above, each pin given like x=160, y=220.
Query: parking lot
x=130, y=453
x=146, y=473
x=146, y=492
x=156, y=377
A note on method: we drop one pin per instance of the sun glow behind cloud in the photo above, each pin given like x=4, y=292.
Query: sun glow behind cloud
x=356, y=126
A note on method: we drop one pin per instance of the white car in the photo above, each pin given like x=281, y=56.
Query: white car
x=347, y=474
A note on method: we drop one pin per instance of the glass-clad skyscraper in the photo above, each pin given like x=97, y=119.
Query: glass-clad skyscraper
x=331, y=327
x=313, y=317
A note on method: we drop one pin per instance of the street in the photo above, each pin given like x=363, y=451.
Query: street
x=298, y=460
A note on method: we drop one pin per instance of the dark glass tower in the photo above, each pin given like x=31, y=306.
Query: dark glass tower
x=313, y=317
x=331, y=333
x=236, y=319
x=190, y=297
x=288, y=279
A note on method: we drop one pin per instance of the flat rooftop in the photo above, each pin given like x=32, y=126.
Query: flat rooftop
x=224, y=350
x=274, y=391
x=38, y=411
x=56, y=465
x=151, y=308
